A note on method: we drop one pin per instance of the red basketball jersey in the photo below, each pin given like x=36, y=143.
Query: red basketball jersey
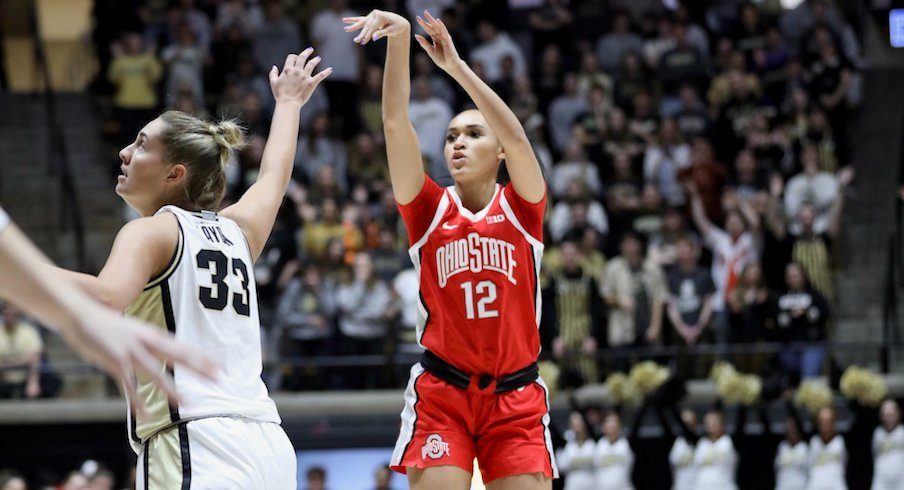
x=479, y=273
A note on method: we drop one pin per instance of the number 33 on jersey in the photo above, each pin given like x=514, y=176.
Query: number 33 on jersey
x=478, y=277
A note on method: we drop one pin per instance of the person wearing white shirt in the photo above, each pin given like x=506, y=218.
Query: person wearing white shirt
x=733, y=249
x=564, y=109
x=888, y=449
x=430, y=115
x=812, y=186
x=828, y=455
x=338, y=51
x=575, y=460
x=493, y=48
x=791, y=465
x=613, y=457
x=681, y=457
x=715, y=457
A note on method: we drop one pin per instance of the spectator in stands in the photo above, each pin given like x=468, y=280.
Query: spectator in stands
x=370, y=101
x=318, y=148
x=613, y=457
x=663, y=245
x=575, y=460
x=662, y=161
x=800, y=316
x=362, y=308
x=690, y=298
x=317, y=235
x=828, y=454
x=430, y=115
x=631, y=77
x=791, y=459
x=277, y=34
x=185, y=11
x=246, y=17
x=635, y=291
x=750, y=306
x=575, y=310
x=306, y=318
x=547, y=76
x=680, y=64
x=815, y=187
x=575, y=165
x=316, y=478
x=749, y=33
x=493, y=48
x=888, y=448
x=691, y=115
x=733, y=248
x=134, y=72
x=564, y=110
x=576, y=211
x=611, y=47
x=12, y=480
x=337, y=49
x=715, y=457
x=405, y=289
x=228, y=46
x=21, y=349
x=102, y=479
x=439, y=85
x=748, y=180
x=184, y=60
x=706, y=175
x=817, y=132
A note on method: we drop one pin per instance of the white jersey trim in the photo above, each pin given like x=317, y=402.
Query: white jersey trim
x=409, y=416
x=474, y=217
x=537, y=249
x=414, y=252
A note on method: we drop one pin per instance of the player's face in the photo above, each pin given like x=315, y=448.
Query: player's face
x=143, y=170
x=472, y=150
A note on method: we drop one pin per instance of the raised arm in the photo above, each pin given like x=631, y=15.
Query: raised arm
x=697, y=212
x=255, y=211
x=523, y=167
x=406, y=166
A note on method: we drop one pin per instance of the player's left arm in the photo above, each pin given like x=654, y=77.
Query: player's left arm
x=523, y=167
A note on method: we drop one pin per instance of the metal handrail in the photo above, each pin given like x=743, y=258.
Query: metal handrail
x=58, y=155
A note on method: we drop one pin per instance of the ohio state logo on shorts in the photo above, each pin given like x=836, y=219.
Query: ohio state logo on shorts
x=434, y=448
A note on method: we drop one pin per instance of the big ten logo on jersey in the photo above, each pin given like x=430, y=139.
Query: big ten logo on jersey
x=496, y=218
x=475, y=253
x=214, y=234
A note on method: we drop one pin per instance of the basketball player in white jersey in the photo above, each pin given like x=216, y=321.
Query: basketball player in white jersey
x=888, y=449
x=120, y=346
x=190, y=271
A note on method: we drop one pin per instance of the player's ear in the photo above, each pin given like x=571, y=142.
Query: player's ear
x=176, y=174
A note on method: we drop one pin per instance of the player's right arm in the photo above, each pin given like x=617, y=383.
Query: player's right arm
x=406, y=167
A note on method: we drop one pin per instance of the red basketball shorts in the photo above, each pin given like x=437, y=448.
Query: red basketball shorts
x=442, y=425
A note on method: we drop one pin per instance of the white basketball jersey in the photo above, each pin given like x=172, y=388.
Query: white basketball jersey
x=208, y=300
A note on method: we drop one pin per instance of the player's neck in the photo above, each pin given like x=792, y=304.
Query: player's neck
x=475, y=195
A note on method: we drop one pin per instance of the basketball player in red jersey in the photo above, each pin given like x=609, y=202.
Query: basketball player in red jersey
x=477, y=248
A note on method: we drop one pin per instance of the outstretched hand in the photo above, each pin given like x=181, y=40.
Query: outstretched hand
x=377, y=24
x=124, y=347
x=297, y=80
x=441, y=50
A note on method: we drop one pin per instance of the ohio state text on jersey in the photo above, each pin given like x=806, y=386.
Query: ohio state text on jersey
x=480, y=302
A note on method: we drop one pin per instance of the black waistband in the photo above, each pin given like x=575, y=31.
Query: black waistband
x=436, y=366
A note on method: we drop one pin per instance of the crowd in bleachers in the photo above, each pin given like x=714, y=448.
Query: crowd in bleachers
x=697, y=155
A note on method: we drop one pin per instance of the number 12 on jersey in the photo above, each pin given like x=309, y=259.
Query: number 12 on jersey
x=485, y=293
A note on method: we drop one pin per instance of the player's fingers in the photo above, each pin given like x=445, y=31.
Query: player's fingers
x=424, y=43
x=303, y=57
x=322, y=75
x=311, y=64
x=273, y=75
x=167, y=348
x=290, y=61
x=146, y=364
